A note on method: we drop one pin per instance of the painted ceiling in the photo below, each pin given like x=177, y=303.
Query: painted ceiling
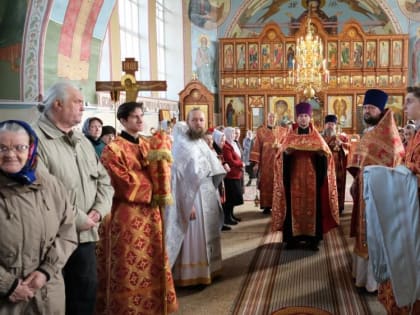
x=248, y=17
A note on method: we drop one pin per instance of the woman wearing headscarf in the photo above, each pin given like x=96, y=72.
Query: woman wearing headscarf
x=108, y=134
x=233, y=179
x=37, y=231
x=92, y=129
x=218, y=144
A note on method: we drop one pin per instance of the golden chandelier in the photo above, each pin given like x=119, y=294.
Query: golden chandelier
x=309, y=72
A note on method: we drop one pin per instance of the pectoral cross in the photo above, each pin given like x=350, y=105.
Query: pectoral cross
x=129, y=84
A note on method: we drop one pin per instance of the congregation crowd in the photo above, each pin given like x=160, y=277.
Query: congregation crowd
x=90, y=223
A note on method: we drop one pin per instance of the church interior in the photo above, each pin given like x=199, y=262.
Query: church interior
x=237, y=60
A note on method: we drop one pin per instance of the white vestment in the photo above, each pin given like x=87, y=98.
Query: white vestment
x=194, y=246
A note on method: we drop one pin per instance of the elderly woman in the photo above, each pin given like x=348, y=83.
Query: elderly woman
x=233, y=179
x=37, y=231
x=92, y=129
x=218, y=143
x=108, y=134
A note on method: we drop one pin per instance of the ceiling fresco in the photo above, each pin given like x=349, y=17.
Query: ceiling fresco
x=252, y=15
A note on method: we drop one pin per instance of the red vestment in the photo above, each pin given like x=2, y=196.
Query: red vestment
x=263, y=151
x=304, y=189
x=380, y=146
x=130, y=251
x=339, y=146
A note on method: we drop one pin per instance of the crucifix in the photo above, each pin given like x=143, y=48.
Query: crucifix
x=129, y=84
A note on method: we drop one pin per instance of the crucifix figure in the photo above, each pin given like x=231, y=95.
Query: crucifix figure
x=129, y=84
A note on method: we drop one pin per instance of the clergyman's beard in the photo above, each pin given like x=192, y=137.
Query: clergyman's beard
x=329, y=132
x=195, y=134
x=372, y=121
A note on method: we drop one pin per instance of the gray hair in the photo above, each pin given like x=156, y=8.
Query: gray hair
x=59, y=91
x=12, y=127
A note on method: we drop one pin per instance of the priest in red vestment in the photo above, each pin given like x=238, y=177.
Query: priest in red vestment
x=305, y=202
x=380, y=145
x=262, y=155
x=339, y=145
x=133, y=268
x=412, y=161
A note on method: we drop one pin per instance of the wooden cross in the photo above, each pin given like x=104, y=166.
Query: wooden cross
x=128, y=83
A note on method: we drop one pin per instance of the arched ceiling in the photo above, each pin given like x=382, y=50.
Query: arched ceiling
x=375, y=16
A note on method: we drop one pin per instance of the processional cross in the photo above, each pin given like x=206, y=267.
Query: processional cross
x=129, y=84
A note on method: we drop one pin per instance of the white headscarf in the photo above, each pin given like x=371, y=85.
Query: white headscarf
x=230, y=136
x=217, y=137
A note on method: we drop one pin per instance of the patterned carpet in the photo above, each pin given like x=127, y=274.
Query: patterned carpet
x=283, y=278
x=250, y=192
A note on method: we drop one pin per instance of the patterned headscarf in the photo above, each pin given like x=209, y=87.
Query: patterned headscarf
x=26, y=175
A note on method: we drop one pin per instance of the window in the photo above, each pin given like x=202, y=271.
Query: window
x=134, y=35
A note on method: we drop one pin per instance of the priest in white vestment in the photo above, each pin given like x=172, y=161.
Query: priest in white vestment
x=194, y=221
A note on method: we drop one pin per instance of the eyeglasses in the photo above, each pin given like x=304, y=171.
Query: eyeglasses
x=17, y=148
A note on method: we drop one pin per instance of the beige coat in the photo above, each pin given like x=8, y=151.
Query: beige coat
x=37, y=231
x=73, y=160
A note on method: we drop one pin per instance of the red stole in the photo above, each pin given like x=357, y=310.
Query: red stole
x=306, y=145
x=380, y=146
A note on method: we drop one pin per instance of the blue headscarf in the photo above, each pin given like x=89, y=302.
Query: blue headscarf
x=26, y=175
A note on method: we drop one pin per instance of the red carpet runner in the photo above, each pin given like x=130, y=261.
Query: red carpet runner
x=282, y=278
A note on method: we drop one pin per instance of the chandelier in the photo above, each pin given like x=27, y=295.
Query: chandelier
x=309, y=72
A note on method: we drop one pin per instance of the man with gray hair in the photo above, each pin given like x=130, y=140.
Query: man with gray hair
x=70, y=156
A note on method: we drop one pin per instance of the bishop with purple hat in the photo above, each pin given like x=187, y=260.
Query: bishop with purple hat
x=303, y=108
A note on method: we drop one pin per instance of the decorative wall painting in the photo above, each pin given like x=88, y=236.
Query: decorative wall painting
x=397, y=53
x=283, y=109
x=395, y=103
x=234, y=111
x=253, y=57
x=370, y=54
x=342, y=107
x=383, y=80
x=290, y=55
x=370, y=81
x=265, y=56
x=241, y=82
x=345, y=53
x=240, y=57
x=332, y=55
x=358, y=54
x=228, y=57
x=278, y=55
x=253, y=83
x=384, y=53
